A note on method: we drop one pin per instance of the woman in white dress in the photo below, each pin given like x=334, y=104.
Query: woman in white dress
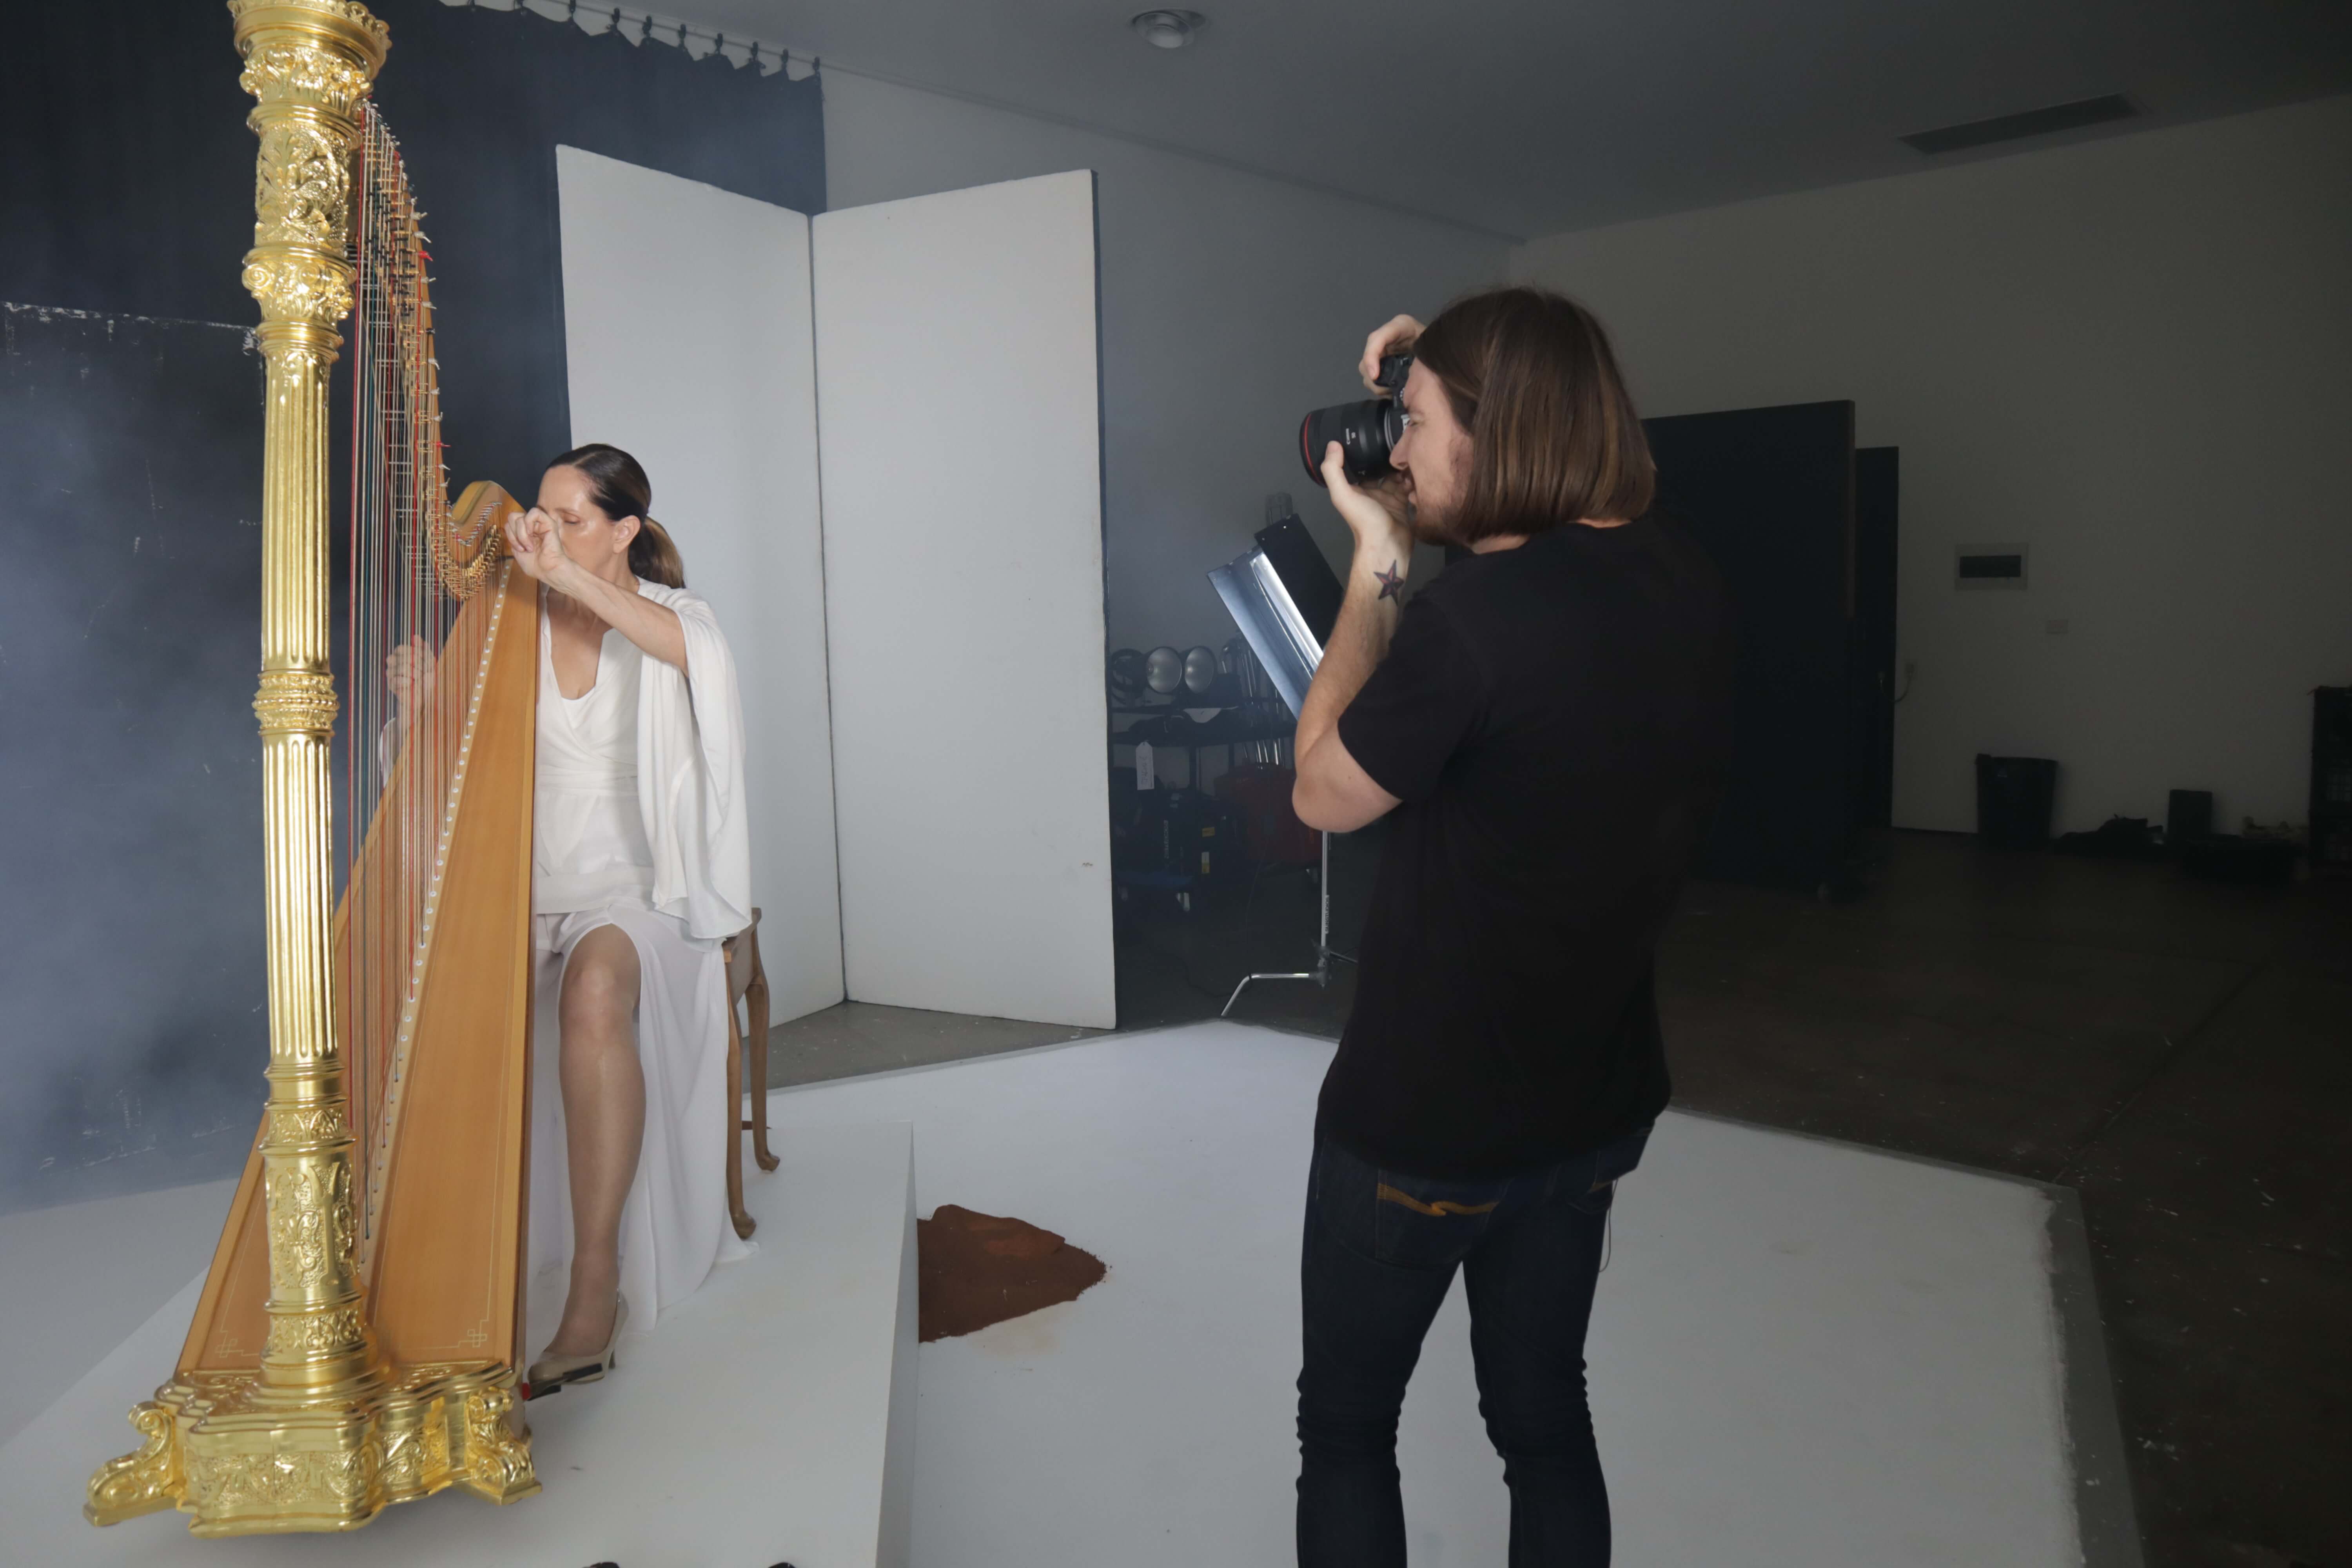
x=641, y=868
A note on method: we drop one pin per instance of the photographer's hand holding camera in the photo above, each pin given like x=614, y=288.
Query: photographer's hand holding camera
x=1427, y=461
x=1546, y=724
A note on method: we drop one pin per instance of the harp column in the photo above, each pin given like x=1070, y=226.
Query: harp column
x=324, y=1434
x=309, y=65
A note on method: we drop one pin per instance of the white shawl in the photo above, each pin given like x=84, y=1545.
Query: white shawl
x=690, y=776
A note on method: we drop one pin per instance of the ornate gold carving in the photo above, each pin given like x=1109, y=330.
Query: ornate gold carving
x=416, y=1452
x=311, y=1234
x=140, y=1482
x=295, y=287
x=223, y=1447
x=279, y=69
x=498, y=1458
x=296, y=702
x=349, y=13
x=466, y=550
x=321, y=1123
x=302, y=186
x=317, y=1333
x=314, y=1482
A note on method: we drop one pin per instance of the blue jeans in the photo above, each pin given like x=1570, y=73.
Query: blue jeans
x=1380, y=1251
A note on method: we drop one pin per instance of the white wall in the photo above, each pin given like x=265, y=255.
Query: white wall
x=963, y=594
x=688, y=343
x=1231, y=304
x=2134, y=354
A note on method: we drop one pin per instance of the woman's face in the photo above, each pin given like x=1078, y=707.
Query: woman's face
x=598, y=543
x=1434, y=453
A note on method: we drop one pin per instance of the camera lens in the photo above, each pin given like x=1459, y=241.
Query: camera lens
x=1367, y=431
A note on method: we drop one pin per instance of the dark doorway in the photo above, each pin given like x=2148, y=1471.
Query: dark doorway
x=1771, y=493
x=1877, y=495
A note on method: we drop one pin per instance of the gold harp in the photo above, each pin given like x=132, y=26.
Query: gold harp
x=356, y=1341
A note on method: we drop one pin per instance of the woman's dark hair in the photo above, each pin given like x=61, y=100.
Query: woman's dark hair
x=617, y=484
x=1553, y=435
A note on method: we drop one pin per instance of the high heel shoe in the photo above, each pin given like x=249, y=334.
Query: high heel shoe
x=550, y=1372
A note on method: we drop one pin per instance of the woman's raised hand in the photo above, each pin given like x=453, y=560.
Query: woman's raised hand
x=408, y=668
x=536, y=544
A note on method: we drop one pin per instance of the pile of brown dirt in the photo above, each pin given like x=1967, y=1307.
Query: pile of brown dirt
x=974, y=1269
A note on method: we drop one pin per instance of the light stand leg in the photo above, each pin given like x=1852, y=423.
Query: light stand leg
x=1321, y=974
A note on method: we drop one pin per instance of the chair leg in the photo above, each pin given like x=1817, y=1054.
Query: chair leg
x=744, y=1223
x=756, y=995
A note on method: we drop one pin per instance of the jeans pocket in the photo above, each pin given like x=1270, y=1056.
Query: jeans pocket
x=1395, y=1218
x=1594, y=1176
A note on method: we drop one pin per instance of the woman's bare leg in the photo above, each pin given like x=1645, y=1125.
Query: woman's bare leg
x=604, y=1125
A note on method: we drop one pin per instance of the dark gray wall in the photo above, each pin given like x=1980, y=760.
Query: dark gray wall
x=126, y=175
x=129, y=454
x=130, y=981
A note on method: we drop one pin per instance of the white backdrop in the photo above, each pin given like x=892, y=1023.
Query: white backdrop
x=687, y=336
x=960, y=431
x=931, y=828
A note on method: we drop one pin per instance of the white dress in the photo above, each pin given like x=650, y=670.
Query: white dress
x=637, y=823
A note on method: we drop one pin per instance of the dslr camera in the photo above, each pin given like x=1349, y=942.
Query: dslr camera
x=1367, y=431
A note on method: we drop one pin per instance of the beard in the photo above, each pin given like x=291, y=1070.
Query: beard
x=1429, y=525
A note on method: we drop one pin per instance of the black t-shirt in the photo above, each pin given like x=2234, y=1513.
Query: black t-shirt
x=1557, y=719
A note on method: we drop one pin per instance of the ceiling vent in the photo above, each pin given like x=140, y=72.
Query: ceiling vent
x=2032, y=122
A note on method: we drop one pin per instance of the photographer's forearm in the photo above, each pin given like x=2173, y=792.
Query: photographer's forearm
x=1359, y=641
x=1333, y=792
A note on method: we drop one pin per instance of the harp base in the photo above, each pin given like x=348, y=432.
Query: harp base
x=220, y=1449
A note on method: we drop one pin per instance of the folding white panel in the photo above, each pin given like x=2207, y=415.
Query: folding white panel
x=960, y=431
x=688, y=334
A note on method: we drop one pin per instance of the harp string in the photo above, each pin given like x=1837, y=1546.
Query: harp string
x=405, y=589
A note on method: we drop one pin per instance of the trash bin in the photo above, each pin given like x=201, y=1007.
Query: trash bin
x=2013, y=795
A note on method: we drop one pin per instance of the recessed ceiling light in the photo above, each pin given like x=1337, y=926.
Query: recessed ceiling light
x=1168, y=29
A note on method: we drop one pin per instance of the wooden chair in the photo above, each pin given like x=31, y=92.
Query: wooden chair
x=747, y=983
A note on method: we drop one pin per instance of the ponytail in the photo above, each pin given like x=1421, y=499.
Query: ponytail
x=652, y=554
x=617, y=484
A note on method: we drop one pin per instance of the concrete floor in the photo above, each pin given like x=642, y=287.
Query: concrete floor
x=2178, y=1052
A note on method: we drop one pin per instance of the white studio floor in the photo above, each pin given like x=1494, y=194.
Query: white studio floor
x=1803, y=1353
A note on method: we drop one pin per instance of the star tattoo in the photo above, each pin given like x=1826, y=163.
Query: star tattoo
x=1391, y=582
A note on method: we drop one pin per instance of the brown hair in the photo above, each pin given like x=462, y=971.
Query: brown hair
x=617, y=484
x=1553, y=435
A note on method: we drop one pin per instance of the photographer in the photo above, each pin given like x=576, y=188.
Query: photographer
x=1550, y=721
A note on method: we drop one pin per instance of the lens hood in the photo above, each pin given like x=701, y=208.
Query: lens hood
x=1366, y=433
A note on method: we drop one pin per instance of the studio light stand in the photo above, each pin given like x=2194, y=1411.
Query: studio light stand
x=1284, y=597
x=1323, y=951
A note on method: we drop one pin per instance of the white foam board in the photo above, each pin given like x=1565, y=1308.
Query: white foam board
x=960, y=430
x=688, y=343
